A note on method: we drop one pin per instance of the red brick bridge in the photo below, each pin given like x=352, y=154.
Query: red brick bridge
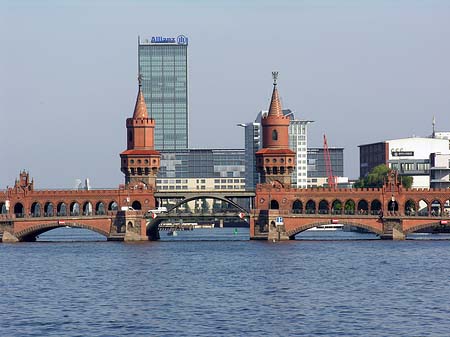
x=25, y=212
x=391, y=211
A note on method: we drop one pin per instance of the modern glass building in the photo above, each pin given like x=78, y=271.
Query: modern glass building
x=317, y=170
x=163, y=64
x=202, y=169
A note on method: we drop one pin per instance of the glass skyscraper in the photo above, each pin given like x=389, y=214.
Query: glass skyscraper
x=162, y=62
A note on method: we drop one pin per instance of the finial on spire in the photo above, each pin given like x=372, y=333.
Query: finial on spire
x=140, y=77
x=274, y=76
x=434, y=132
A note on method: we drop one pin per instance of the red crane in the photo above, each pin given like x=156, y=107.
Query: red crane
x=326, y=155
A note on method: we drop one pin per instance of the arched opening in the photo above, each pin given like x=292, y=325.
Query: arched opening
x=130, y=225
x=113, y=206
x=74, y=208
x=297, y=207
x=68, y=233
x=447, y=208
x=436, y=209
x=274, y=204
x=392, y=206
x=35, y=210
x=310, y=207
x=100, y=208
x=274, y=135
x=48, y=209
x=136, y=205
x=423, y=208
x=336, y=207
x=363, y=207
x=323, y=207
x=87, y=208
x=61, y=209
x=19, y=211
x=375, y=207
x=410, y=208
x=3, y=208
x=349, y=207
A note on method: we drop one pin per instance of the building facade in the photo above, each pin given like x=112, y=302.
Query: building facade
x=202, y=169
x=163, y=65
x=317, y=172
x=409, y=156
x=440, y=170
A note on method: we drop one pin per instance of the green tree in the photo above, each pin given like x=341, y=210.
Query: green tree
x=378, y=176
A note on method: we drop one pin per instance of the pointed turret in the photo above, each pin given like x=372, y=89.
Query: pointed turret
x=275, y=161
x=275, y=104
x=140, y=162
x=140, y=109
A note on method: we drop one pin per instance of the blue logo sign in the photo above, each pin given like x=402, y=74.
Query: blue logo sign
x=181, y=39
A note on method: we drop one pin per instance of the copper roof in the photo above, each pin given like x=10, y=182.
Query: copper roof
x=275, y=104
x=140, y=109
x=141, y=152
x=270, y=151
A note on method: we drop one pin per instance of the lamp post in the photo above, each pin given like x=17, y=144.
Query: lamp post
x=393, y=204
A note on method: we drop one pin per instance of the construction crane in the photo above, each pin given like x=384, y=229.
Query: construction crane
x=326, y=155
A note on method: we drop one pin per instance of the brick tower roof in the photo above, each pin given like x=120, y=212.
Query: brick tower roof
x=275, y=104
x=140, y=109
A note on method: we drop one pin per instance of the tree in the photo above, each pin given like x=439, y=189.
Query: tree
x=378, y=176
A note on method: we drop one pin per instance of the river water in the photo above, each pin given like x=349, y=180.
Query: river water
x=218, y=283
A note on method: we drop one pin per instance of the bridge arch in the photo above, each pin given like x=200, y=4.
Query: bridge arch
x=410, y=207
x=303, y=227
x=310, y=207
x=297, y=207
x=87, y=208
x=375, y=207
x=324, y=207
x=423, y=209
x=48, y=209
x=113, y=206
x=350, y=207
x=3, y=208
x=32, y=232
x=35, y=210
x=336, y=207
x=100, y=208
x=363, y=206
x=436, y=208
x=214, y=197
x=19, y=210
x=61, y=209
x=74, y=208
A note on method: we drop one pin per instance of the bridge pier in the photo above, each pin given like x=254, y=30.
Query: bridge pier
x=7, y=237
x=393, y=229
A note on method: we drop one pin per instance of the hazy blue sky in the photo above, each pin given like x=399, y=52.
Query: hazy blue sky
x=364, y=71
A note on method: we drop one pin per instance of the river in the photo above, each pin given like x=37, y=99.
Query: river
x=218, y=283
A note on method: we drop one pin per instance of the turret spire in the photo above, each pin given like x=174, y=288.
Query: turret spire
x=140, y=109
x=275, y=104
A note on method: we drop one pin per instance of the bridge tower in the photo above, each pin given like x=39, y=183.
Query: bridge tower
x=140, y=161
x=275, y=161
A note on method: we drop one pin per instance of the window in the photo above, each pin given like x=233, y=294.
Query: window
x=274, y=135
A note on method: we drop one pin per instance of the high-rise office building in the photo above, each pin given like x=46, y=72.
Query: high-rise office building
x=163, y=65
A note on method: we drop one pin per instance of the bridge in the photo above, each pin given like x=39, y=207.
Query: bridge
x=25, y=212
x=390, y=211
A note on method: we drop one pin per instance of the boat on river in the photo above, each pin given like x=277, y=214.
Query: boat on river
x=328, y=227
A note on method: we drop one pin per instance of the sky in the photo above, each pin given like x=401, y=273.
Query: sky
x=363, y=71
